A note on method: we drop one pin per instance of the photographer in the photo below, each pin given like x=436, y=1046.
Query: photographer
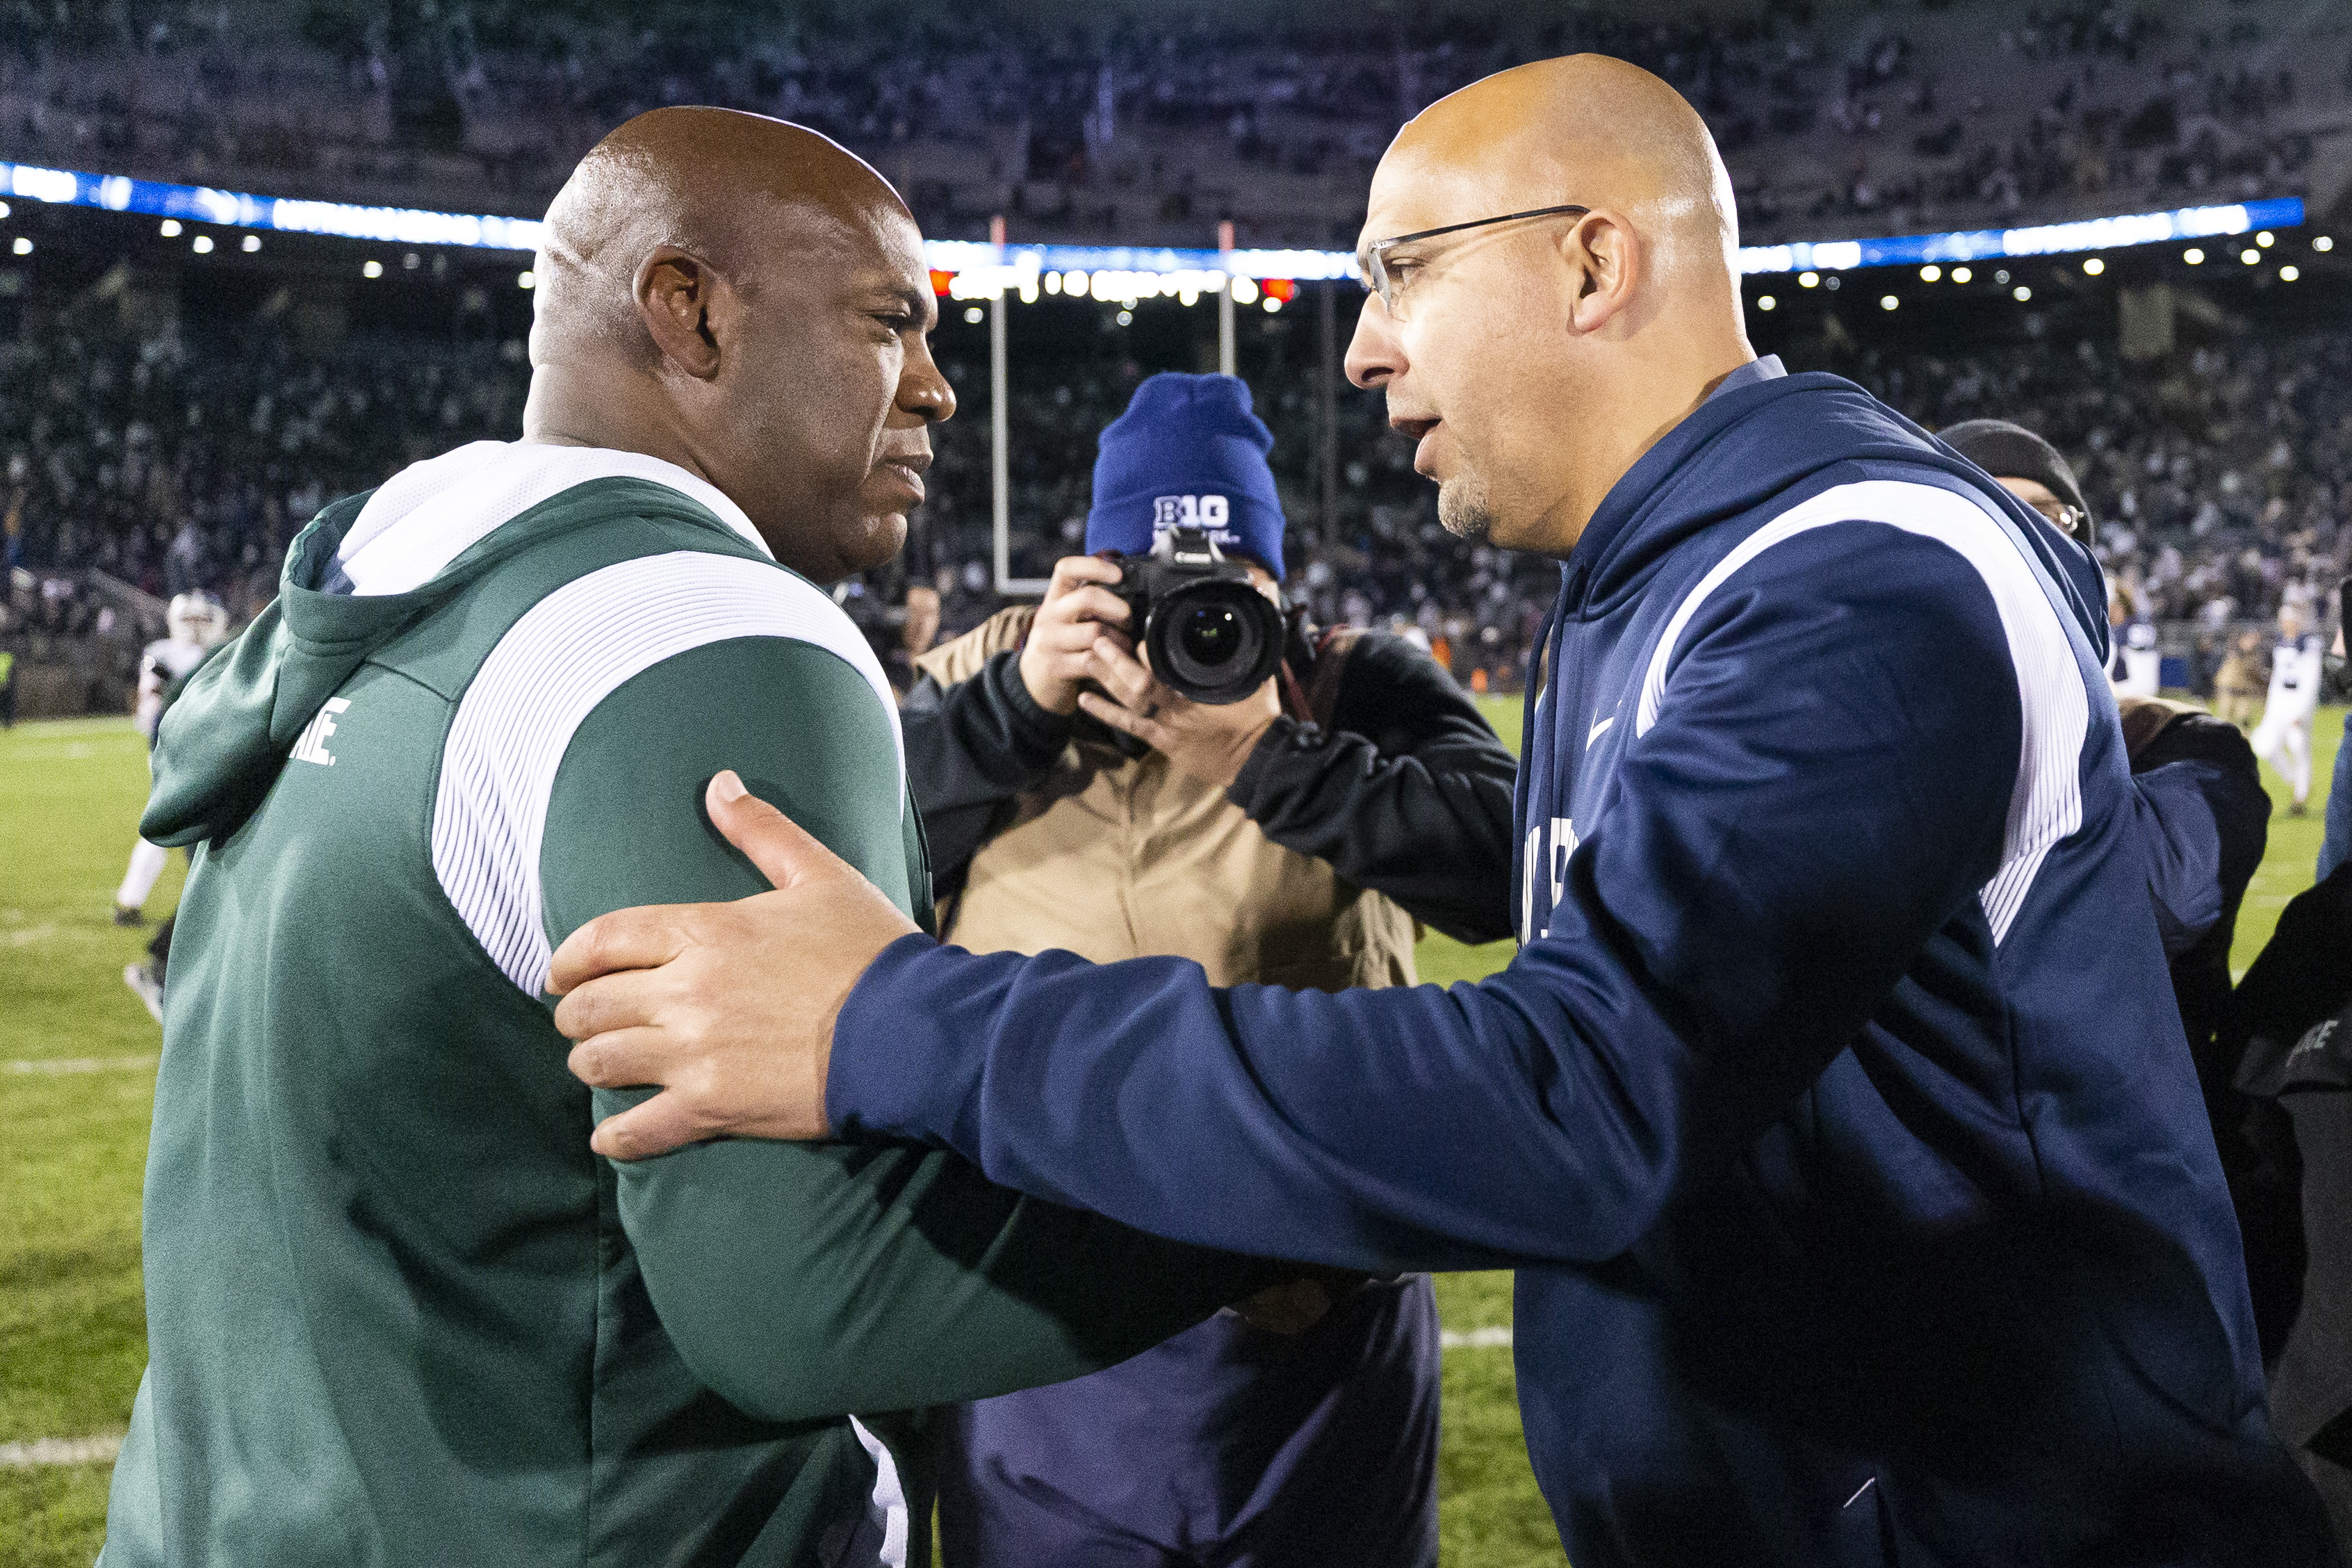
x=1292, y=837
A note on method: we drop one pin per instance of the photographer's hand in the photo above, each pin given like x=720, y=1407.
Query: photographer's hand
x=1209, y=742
x=1078, y=612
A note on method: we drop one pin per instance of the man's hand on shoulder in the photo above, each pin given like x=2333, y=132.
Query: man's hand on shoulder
x=728, y=1008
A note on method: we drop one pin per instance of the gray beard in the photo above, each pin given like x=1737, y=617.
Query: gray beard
x=1462, y=511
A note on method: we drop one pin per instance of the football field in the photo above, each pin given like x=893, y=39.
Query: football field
x=76, y=1080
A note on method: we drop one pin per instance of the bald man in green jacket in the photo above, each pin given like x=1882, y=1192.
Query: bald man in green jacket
x=398, y=1311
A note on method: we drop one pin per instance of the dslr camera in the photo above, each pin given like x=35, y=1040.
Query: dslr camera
x=1211, y=635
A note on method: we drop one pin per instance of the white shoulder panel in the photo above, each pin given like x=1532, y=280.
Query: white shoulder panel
x=2047, y=803
x=431, y=512
x=547, y=673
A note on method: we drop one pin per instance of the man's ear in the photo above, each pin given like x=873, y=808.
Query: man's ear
x=677, y=296
x=1604, y=258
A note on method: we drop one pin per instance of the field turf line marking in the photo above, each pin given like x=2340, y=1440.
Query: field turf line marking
x=82, y=1064
x=40, y=1451
x=1476, y=1339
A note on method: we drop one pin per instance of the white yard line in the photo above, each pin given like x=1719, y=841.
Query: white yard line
x=82, y=1064
x=1476, y=1339
x=99, y=1450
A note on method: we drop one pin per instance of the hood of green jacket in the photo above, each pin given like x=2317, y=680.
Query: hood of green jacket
x=222, y=743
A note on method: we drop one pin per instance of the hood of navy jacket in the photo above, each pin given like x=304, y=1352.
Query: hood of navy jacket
x=1780, y=438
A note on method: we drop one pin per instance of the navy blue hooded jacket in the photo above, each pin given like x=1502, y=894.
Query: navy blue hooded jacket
x=1835, y=1109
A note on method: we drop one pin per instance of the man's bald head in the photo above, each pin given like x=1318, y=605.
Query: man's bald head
x=746, y=298
x=1535, y=359
x=741, y=191
x=1586, y=129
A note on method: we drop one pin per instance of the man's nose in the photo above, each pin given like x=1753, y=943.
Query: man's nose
x=924, y=390
x=1374, y=358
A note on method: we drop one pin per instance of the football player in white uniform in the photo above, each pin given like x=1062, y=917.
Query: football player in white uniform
x=2293, y=698
x=197, y=623
x=2142, y=672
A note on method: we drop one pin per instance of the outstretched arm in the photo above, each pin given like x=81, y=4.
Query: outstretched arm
x=810, y=1280
x=1826, y=785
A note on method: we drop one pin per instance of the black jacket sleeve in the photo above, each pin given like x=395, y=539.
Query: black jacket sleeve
x=970, y=747
x=1407, y=793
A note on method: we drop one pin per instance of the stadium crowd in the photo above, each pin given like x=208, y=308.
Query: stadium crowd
x=1833, y=117
x=2221, y=479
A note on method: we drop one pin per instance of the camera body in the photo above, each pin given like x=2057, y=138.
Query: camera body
x=1210, y=635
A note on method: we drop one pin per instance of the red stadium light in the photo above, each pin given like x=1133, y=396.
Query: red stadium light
x=1282, y=289
x=941, y=282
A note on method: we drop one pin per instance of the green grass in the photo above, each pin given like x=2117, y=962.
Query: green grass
x=72, y=1326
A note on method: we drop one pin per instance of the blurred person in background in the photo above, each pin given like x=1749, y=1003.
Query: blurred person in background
x=2238, y=685
x=2291, y=1030
x=897, y=604
x=196, y=623
x=2336, y=846
x=2294, y=700
x=2140, y=663
x=1291, y=838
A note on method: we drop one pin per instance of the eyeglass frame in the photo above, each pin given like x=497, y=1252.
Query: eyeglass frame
x=1372, y=273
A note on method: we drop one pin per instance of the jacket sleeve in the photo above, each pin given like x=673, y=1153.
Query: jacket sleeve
x=2204, y=821
x=971, y=746
x=1827, y=783
x=809, y=1280
x=1407, y=792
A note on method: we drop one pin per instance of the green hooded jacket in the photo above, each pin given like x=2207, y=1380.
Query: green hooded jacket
x=397, y=1312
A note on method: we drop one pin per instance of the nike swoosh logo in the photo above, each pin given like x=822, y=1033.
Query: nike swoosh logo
x=1597, y=731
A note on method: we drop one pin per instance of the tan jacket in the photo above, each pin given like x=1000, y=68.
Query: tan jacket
x=1118, y=859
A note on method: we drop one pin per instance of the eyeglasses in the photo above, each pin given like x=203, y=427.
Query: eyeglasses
x=1372, y=267
x=2067, y=520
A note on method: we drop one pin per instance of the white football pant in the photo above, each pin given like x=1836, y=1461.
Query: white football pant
x=147, y=862
x=2287, y=729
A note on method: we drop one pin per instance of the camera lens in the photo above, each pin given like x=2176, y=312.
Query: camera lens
x=1213, y=641
x=1211, y=633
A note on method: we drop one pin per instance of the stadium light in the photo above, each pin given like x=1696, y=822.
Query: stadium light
x=2194, y=257
x=2093, y=267
x=2322, y=243
x=1888, y=303
x=372, y=269
x=2266, y=239
x=526, y=279
x=1766, y=303
x=2290, y=272
x=170, y=229
x=1930, y=273
x=1962, y=275
x=2250, y=255
x=252, y=243
x=23, y=247
x=203, y=244
x=2020, y=293
x=1808, y=279
x=488, y=231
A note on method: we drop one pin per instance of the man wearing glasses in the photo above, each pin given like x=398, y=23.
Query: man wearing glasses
x=1833, y=1111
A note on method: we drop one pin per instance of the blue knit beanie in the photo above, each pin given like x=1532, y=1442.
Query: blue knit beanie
x=1187, y=453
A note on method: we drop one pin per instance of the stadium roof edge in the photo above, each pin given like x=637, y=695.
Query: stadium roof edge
x=413, y=225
